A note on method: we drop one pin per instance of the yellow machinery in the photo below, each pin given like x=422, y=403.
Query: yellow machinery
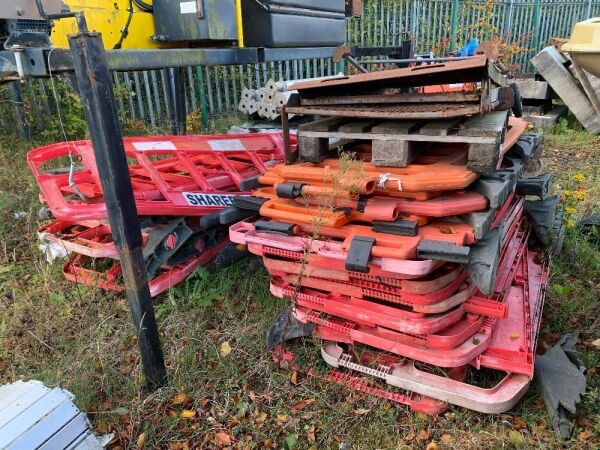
x=584, y=45
x=155, y=24
x=128, y=24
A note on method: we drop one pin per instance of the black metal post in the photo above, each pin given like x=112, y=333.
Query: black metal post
x=179, y=99
x=95, y=86
x=176, y=100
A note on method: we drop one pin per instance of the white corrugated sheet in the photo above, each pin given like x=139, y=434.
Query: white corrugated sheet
x=33, y=416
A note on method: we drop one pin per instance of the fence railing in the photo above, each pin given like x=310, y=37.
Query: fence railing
x=439, y=25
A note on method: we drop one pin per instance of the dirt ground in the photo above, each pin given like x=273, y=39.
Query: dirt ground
x=224, y=389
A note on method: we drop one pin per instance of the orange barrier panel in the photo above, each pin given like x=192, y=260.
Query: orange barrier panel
x=439, y=169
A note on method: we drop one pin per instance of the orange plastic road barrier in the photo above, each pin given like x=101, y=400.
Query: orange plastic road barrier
x=447, y=204
x=450, y=203
x=516, y=127
x=374, y=208
x=394, y=246
x=440, y=169
x=292, y=211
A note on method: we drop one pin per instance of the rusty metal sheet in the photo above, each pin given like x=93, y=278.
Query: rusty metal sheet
x=472, y=69
x=441, y=97
x=402, y=111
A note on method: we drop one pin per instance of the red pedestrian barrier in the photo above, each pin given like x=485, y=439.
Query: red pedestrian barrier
x=171, y=175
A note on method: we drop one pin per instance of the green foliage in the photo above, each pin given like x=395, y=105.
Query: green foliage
x=73, y=125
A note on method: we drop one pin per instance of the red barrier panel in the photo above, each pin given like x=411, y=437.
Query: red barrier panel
x=171, y=175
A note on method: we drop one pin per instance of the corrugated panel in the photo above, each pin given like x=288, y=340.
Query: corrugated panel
x=33, y=416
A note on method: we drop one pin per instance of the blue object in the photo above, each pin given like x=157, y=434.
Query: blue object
x=469, y=49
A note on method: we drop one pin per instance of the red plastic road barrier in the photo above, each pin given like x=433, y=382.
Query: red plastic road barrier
x=417, y=403
x=359, y=288
x=405, y=375
x=432, y=285
x=514, y=340
x=78, y=269
x=370, y=313
x=318, y=291
x=91, y=238
x=171, y=175
x=454, y=346
x=323, y=253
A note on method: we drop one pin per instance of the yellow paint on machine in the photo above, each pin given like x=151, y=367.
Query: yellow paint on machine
x=109, y=17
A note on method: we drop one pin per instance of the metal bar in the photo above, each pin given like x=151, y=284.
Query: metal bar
x=139, y=96
x=454, y=24
x=15, y=95
x=167, y=93
x=149, y=99
x=156, y=93
x=536, y=25
x=178, y=74
x=119, y=94
x=211, y=103
x=415, y=60
x=192, y=86
x=129, y=97
x=202, y=92
x=93, y=76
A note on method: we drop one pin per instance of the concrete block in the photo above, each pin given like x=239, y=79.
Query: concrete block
x=313, y=149
x=438, y=127
x=548, y=120
x=397, y=153
x=532, y=89
x=550, y=64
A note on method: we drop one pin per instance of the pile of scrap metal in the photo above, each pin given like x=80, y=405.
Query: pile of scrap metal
x=181, y=185
x=569, y=71
x=399, y=230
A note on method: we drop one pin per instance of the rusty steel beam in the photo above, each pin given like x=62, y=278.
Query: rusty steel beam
x=403, y=111
x=374, y=99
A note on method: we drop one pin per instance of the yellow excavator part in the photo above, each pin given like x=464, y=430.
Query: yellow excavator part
x=584, y=45
x=110, y=18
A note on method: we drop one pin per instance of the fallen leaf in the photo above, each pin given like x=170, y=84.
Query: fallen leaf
x=294, y=378
x=515, y=336
x=181, y=399
x=516, y=438
x=423, y=435
x=596, y=343
x=447, y=230
x=282, y=418
x=223, y=439
x=409, y=437
x=582, y=436
x=302, y=404
x=225, y=349
x=361, y=411
x=261, y=417
x=187, y=414
x=446, y=438
x=268, y=443
x=141, y=441
x=519, y=424
x=432, y=446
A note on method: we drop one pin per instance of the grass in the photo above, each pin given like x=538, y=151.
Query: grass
x=82, y=339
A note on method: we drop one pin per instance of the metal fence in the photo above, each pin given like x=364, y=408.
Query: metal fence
x=439, y=25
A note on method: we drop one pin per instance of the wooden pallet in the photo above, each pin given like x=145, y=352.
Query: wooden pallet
x=396, y=143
